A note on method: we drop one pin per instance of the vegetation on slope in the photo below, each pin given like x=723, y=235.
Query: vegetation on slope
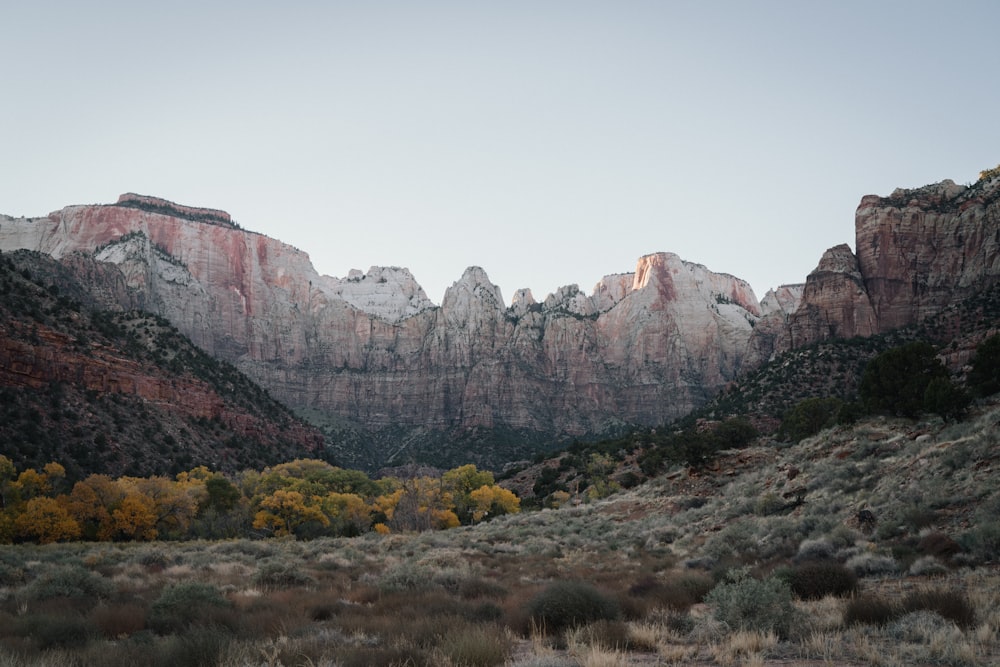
x=61, y=402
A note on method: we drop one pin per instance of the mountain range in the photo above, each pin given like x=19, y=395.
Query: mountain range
x=389, y=377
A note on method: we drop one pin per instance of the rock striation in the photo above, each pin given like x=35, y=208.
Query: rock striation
x=370, y=350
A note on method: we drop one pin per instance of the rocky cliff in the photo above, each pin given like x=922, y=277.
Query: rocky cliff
x=918, y=252
x=370, y=354
x=392, y=376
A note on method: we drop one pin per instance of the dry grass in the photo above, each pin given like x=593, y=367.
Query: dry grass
x=655, y=551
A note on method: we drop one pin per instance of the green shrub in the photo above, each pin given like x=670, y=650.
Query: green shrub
x=944, y=397
x=809, y=417
x=745, y=603
x=185, y=604
x=895, y=382
x=983, y=541
x=984, y=376
x=815, y=549
x=566, y=604
x=279, y=573
x=56, y=630
x=927, y=566
x=70, y=581
x=813, y=581
x=869, y=565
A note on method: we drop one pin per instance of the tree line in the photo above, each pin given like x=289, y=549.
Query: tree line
x=304, y=498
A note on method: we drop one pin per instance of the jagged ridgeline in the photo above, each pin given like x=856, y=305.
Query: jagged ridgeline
x=122, y=391
x=392, y=378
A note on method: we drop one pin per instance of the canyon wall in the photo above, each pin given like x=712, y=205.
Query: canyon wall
x=371, y=350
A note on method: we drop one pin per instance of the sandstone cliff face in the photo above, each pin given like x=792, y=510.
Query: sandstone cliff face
x=370, y=348
x=921, y=249
x=918, y=251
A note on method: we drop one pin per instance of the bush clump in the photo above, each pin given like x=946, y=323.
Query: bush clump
x=813, y=581
x=951, y=605
x=279, y=573
x=870, y=610
x=679, y=592
x=70, y=581
x=50, y=631
x=476, y=646
x=872, y=565
x=984, y=376
x=182, y=605
x=745, y=603
x=808, y=418
x=567, y=604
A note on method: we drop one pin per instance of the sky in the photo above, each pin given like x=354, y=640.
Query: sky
x=549, y=142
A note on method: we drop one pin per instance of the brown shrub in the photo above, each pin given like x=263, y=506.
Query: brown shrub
x=115, y=621
x=680, y=592
x=813, y=581
x=870, y=610
x=951, y=605
x=938, y=544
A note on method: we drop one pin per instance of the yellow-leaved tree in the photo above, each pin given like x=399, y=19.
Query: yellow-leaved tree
x=135, y=517
x=285, y=512
x=491, y=501
x=45, y=520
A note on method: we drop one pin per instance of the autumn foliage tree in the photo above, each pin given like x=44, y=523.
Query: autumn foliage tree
x=304, y=498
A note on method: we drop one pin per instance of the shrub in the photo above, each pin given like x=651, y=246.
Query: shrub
x=611, y=635
x=182, y=605
x=370, y=656
x=566, y=604
x=984, y=377
x=867, y=565
x=951, y=605
x=944, y=397
x=56, y=631
x=745, y=603
x=679, y=592
x=870, y=610
x=476, y=646
x=279, y=573
x=817, y=549
x=809, y=417
x=116, y=621
x=938, y=544
x=71, y=581
x=895, y=381
x=813, y=581
x=927, y=566
x=199, y=648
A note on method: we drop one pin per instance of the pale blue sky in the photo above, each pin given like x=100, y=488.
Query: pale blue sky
x=548, y=142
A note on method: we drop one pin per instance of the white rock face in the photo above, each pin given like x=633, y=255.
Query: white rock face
x=389, y=293
x=785, y=300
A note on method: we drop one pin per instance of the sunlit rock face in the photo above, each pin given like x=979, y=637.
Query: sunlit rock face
x=643, y=347
x=917, y=252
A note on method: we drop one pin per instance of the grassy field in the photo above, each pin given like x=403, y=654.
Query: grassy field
x=759, y=560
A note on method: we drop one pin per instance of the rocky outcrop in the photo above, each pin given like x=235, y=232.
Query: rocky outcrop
x=371, y=350
x=921, y=249
x=918, y=252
